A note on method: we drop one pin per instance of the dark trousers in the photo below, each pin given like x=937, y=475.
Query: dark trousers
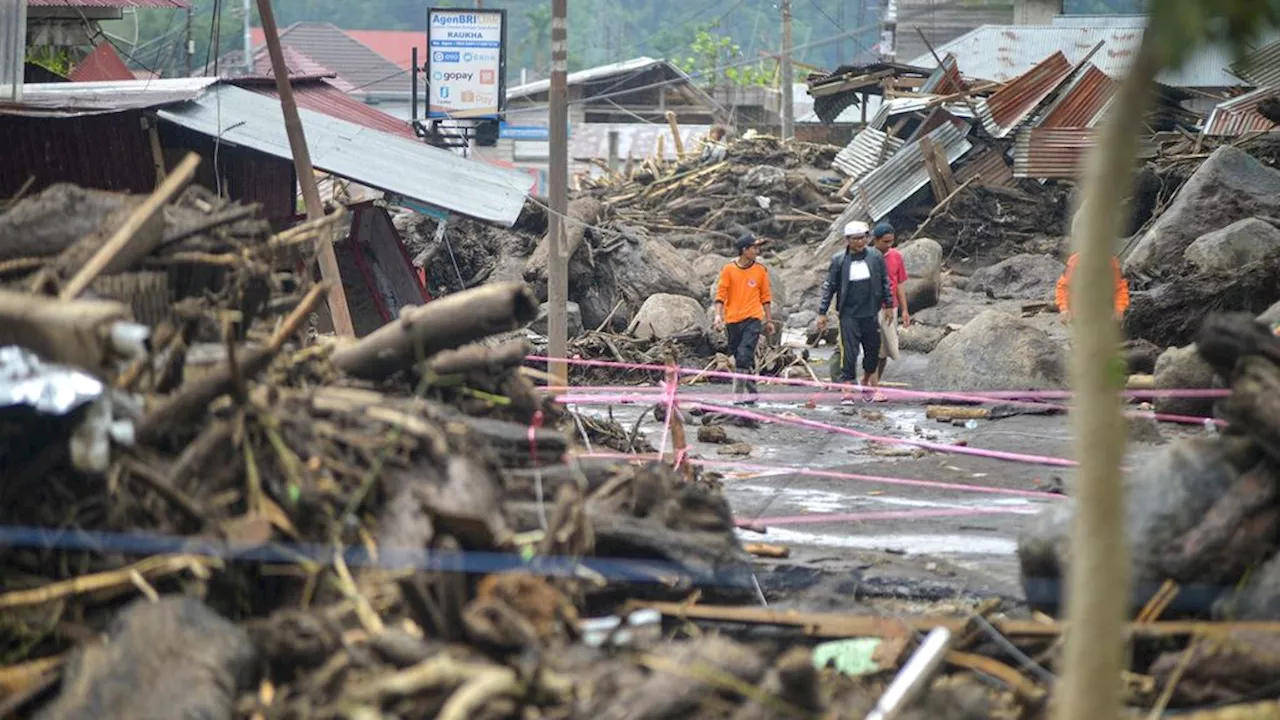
x=858, y=332
x=743, y=338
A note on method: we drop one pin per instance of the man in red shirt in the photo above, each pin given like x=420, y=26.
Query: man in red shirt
x=884, y=239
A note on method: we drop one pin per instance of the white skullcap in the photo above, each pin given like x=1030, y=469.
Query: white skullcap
x=855, y=228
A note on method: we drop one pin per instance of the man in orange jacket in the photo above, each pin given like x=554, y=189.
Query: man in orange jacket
x=1062, y=297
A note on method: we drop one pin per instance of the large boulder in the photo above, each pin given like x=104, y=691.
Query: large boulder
x=923, y=259
x=574, y=312
x=920, y=338
x=707, y=268
x=1229, y=186
x=998, y=351
x=1237, y=244
x=646, y=266
x=1183, y=368
x=1023, y=277
x=664, y=315
x=1166, y=497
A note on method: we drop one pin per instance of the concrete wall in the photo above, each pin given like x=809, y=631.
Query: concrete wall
x=1036, y=12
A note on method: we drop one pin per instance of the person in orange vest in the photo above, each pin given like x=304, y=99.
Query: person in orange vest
x=1062, y=297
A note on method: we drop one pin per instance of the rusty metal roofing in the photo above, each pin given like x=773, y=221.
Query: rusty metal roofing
x=1051, y=153
x=945, y=80
x=866, y=152
x=891, y=184
x=322, y=96
x=987, y=165
x=71, y=99
x=1009, y=106
x=396, y=165
x=1260, y=67
x=1081, y=105
x=171, y=4
x=101, y=65
x=590, y=141
x=1239, y=115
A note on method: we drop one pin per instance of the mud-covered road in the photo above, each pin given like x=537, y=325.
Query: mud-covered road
x=906, y=542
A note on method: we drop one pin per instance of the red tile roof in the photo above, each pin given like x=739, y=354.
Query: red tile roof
x=320, y=95
x=394, y=45
x=103, y=64
x=110, y=3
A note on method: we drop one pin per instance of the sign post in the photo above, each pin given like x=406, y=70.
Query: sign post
x=466, y=63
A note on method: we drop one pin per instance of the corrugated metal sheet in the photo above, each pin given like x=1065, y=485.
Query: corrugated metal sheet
x=1005, y=109
x=322, y=97
x=1260, y=67
x=101, y=65
x=590, y=141
x=898, y=106
x=387, y=162
x=107, y=152
x=1051, y=153
x=865, y=152
x=603, y=72
x=1003, y=52
x=891, y=184
x=1082, y=104
x=945, y=80
x=70, y=99
x=175, y=4
x=13, y=50
x=988, y=166
x=1239, y=115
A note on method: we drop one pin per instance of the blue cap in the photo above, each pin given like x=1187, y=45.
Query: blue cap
x=882, y=229
x=745, y=241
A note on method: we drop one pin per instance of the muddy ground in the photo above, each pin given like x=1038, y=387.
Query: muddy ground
x=892, y=562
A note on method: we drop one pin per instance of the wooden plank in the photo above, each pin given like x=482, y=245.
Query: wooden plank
x=119, y=246
x=936, y=180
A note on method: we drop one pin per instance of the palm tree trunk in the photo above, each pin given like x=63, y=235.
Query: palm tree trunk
x=1098, y=581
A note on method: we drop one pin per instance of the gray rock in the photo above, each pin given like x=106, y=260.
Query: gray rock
x=1271, y=315
x=998, y=351
x=762, y=178
x=802, y=319
x=707, y=268
x=1178, y=368
x=174, y=658
x=1239, y=243
x=923, y=259
x=574, y=312
x=1166, y=497
x=1229, y=186
x=920, y=338
x=664, y=315
x=652, y=266
x=1025, y=277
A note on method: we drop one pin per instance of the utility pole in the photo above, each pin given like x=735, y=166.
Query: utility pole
x=558, y=265
x=338, y=309
x=788, y=101
x=189, y=47
x=889, y=32
x=248, y=36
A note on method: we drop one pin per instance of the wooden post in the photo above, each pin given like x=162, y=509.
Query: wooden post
x=338, y=309
x=677, y=142
x=784, y=68
x=557, y=259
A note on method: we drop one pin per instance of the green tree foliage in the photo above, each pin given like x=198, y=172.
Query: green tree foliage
x=600, y=31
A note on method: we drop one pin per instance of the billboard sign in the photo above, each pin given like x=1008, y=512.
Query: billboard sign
x=466, y=63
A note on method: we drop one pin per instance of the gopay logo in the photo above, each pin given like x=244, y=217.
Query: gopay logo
x=457, y=76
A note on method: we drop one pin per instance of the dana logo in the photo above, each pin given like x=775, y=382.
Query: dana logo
x=480, y=57
x=457, y=76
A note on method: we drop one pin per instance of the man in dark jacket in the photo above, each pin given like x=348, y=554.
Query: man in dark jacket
x=859, y=281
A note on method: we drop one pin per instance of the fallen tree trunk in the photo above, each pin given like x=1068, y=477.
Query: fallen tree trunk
x=582, y=212
x=444, y=324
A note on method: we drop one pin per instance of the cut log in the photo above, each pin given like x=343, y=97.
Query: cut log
x=955, y=412
x=581, y=213
x=444, y=324
x=480, y=358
